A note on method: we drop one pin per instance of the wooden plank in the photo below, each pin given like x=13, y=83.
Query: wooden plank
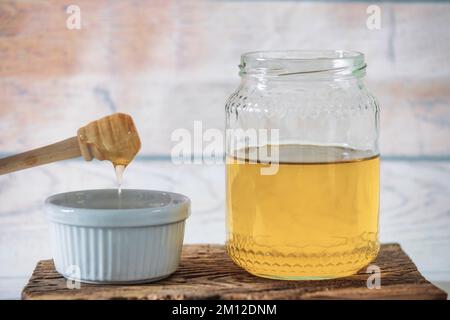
x=415, y=113
x=206, y=272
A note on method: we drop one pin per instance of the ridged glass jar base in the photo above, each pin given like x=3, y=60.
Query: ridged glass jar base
x=303, y=264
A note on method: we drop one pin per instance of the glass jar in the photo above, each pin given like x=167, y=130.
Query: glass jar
x=302, y=165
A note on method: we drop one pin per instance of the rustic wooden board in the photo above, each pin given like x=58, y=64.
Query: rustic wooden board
x=206, y=272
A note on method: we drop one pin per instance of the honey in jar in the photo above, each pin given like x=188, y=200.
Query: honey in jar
x=316, y=217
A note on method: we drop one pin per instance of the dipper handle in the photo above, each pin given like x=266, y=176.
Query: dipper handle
x=61, y=150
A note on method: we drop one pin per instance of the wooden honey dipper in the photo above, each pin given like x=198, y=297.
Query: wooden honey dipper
x=112, y=138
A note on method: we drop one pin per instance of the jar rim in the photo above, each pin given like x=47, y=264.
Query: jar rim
x=314, y=63
x=302, y=54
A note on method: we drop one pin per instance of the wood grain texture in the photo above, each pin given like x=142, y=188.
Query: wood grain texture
x=168, y=63
x=62, y=150
x=206, y=272
x=113, y=138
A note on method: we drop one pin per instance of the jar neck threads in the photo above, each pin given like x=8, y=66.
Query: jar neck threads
x=303, y=65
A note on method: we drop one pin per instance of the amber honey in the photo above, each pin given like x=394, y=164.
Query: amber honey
x=317, y=217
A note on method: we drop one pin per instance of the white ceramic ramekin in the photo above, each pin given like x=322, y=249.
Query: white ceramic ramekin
x=98, y=237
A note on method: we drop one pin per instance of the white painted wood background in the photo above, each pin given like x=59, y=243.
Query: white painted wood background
x=169, y=63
